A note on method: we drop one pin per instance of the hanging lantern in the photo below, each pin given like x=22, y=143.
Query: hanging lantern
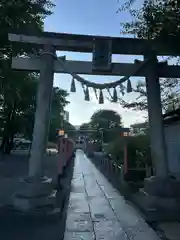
x=73, y=87
x=101, y=98
x=129, y=86
x=115, y=98
x=87, y=94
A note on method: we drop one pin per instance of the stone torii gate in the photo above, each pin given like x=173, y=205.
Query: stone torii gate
x=47, y=64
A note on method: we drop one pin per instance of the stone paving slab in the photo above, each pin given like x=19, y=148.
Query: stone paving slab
x=79, y=236
x=79, y=222
x=107, y=230
x=100, y=209
x=98, y=212
x=110, y=193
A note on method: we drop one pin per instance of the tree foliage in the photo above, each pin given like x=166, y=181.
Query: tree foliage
x=69, y=129
x=138, y=148
x=18, y=89
x=18, y=111
x=104, y=124
x=57, y=122
x=160, y=22
x=57, y=107
x=170, y=97
x=84, y=129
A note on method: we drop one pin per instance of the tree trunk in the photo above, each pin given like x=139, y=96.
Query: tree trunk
x=4, y=145
x=8, y=136
x=9, y=145
x=6, y=148
x=9, y=131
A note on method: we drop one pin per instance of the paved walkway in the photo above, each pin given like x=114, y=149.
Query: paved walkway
x=97, y=211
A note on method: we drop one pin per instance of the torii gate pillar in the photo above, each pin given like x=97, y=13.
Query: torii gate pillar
x=161, y=192
x=160, y=185
x=158, y=148
x=36, y=190
x=42, y=115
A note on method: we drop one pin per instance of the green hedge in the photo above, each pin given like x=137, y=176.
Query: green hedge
x=138, y=150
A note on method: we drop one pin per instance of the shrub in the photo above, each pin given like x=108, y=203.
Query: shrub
x=138, y=150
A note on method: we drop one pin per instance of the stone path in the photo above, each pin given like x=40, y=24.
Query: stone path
x=97, y=211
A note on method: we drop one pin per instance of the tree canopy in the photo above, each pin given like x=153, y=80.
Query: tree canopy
x=159, y=21
x=18, y=89
x=103, y=124
x=85, y=128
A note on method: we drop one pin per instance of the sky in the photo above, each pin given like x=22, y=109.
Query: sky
x=95, y=17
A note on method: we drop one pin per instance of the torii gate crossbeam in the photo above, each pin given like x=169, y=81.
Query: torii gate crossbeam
x=34, y=64
x=84, y=43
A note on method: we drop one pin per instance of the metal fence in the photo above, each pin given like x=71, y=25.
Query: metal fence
x=133, y=179
x=109, y=168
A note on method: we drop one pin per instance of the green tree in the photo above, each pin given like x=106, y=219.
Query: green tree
x=138, y=148
x=57, y=107
x=170, y=97
x=106, y=122
x=22, y=110
x=17, y=16
x=17, y=107
x=58, y=104
x=160, y=22
x=69, y=129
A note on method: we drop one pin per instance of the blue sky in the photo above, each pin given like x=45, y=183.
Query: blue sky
x=95, y=17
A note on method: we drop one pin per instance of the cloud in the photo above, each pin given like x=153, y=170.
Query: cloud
x=80, y=111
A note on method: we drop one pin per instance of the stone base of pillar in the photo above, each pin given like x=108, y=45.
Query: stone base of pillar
x=159, y=200
x=167, y=187
x=36, y=197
